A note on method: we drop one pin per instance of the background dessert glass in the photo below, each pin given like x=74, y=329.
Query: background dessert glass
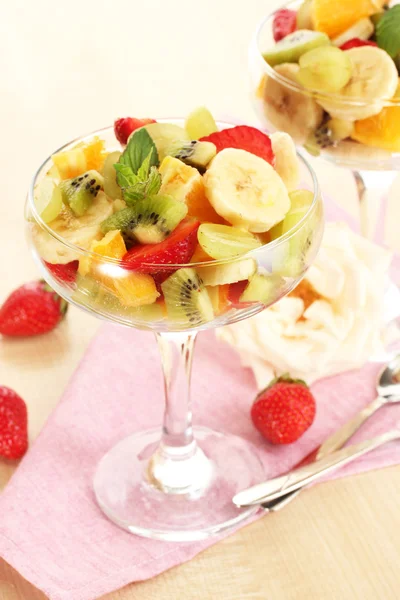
x=285, y=105
x=176, y=484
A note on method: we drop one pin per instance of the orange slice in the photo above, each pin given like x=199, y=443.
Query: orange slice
x=333, y=17
x=94, y=154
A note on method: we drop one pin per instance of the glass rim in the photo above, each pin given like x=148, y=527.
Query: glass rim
x=297, y=87
x=165, y=266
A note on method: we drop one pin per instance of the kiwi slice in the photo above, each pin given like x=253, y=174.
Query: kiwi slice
x=263, y=288
x=328, y=134
x=195, y=154
x=290, y=48
x=187, y=301
x=149, y=221
x=166, y=135
x=78, y=193
x=111, y=187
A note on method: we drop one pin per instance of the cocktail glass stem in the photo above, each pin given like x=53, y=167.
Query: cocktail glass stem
x=372, y=186
x=178, y=466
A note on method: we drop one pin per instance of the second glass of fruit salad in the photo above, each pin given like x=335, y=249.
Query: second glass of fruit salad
x=175, y=227
x=327, y=73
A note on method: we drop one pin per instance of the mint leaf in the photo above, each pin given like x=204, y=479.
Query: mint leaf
x=125, y=176
x=140, y=147
x=143, y=171
x=153, y=182
x=388, y=31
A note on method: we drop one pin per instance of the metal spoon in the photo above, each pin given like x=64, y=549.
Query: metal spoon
x=388, y=388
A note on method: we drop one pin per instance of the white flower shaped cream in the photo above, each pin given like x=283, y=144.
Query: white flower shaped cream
x=332, y=322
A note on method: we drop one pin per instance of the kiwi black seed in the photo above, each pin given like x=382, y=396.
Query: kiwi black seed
x=187, y=300
x=149, y=221
x=195, y=154
x=78, y=193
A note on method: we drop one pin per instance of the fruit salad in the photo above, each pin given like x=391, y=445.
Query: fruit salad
x=175, y=226
x=327, y=73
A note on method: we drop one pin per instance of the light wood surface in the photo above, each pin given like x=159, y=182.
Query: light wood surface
x=67, y=70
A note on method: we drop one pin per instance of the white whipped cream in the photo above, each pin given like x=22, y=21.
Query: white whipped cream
x=342, y=327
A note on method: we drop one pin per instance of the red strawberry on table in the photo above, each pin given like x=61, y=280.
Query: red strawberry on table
x=284, y=410
x=65, y=273
x=177, y=249
x=357, y=43
x=244, y=138
x=32, y=309
x=127, y=125
x=13, y=424
x=284, y=23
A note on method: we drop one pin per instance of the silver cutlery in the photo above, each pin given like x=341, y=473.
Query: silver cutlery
x=388, y=389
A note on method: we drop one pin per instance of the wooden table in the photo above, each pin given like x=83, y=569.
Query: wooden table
x=64, y=72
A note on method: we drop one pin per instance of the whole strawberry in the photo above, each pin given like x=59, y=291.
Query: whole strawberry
x=13, y=424
x=284, y=410
x=32, y=309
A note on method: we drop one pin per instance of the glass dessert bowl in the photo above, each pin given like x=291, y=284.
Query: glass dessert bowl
x=335, y=91
x=149, y=250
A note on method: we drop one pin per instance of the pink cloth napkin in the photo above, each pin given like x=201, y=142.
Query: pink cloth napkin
x=51, y=529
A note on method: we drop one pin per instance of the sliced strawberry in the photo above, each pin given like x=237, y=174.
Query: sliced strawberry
x=177, y=249
x=235, y=291
x=65, y=273
x=284, y=23
x=243, y=138
x=357, y=43
x=124, y=127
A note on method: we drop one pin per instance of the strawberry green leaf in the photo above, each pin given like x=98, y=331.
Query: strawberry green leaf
x=388, y=31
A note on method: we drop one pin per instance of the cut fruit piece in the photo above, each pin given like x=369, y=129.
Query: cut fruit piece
x=294, y=45
x=224, y=241
x=333, y=17
x=111, y=246
x=186, y=184
x=219, y=298
x=135, y=289
x=380, y=131
x=243, y=137
x=166, y=135
x=195, y=153
x=94, y=154
x=288, y=109
x=64, y=273
x=328, y=135
x=199, y=123
x=149, y=221
x=48, y=200
x=235, y=292
x=285, y=22
x=245, y=190
x=325, y=69
x=177, y=249
x=374, y=79
x=362, y=30
x=304, y=15
x=286, y=162
x=111, y=187
x=187, y=301
x=77, y=231
x=70, y=163
x=124, y=127
x=80, y=192
x=357, y=43
x=227, y=273
x=300, y=202
x=200, y=256
x=263, y=288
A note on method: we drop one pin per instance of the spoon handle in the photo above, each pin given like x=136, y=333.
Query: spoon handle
x=334, y=442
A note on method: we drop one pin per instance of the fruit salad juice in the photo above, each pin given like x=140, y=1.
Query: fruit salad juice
x=171, y=227
x=327, y=73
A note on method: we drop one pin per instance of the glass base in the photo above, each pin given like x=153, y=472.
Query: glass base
x=128, y=497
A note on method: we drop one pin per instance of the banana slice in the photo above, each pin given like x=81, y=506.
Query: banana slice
x=245, y=190
x=286, y=161
x=79, y=231
x=290, y=110
x=229, y=273
x=362, y=30
x=374, y=79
